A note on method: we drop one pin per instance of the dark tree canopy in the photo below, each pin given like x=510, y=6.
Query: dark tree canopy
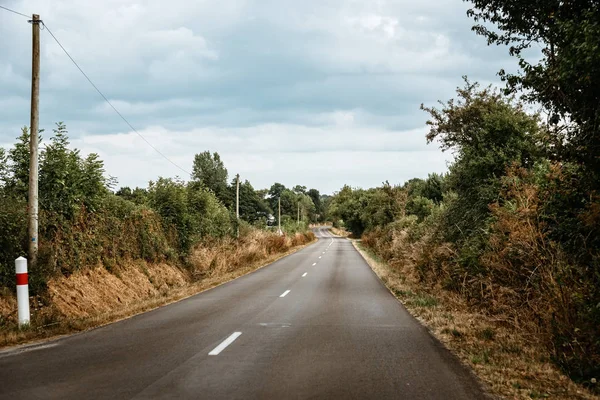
x=211, y=172
x=566, y=80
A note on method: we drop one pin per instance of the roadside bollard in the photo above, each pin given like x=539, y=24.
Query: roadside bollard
x=22, y=291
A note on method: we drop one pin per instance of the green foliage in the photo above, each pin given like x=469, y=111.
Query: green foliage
x=274, y=194
x=252, y=205
x=209, y=218
x=360, y=210
x=510, y=229
x=82, y=224
x=138, y=195
x=295, y=203
x=346, y=207
x=383, y=205
x=3, y=167
x=431, y=188
x=299, y=189
x=315, y=196
x=191, y=209
x=306, y=207
x=119, y=230
x=13, y=236
x=566, y=78
x=289, y=201
x=487, y=133
x=17, y=166
x=66, y=180
x=210, y=171
x=419, y=206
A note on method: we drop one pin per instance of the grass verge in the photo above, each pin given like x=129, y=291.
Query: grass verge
x=56, y=319
x=512, y=365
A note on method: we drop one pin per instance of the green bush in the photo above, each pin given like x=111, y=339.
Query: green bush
x=13, y=236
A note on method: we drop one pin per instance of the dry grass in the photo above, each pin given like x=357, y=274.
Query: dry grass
x=340, y=232
x=511, y=364
x=97, y=291
x=94, y=297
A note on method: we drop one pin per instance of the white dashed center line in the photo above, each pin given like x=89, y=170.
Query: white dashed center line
x=314, y=264
x=225, y=343
x=284, y=293
x=304, y=274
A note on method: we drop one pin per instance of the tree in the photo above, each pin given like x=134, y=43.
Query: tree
x=18, y=169
x=433, y=188
x=382, y=206
x=276, y=190
x=168, y=197
x=211, y=172
x=325, y=201
x=208, y=216
x=274, y=194
x=138, y=195
x=289, y=203
x=306, y=207
x=190, y=210
x=66, y=180
x=316, y=199
x=252, y=206
x=346, y=207
x=487, y=132
x=298, y=189
x=262, y=193
x=566, y=79
x=4, y=173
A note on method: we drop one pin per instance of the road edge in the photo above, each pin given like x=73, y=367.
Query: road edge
x=485, y=388
x=34, y=343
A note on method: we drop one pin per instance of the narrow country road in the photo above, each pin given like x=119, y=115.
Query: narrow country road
x=317, y=324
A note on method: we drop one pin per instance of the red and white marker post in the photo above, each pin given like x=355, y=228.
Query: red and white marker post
x=22, y=291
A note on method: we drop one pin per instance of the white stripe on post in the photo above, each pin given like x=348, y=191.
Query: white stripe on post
x=22, y=291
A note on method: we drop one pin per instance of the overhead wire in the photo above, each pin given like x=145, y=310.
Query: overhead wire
x=110, y=104
x=16, y=12
x=100, y=92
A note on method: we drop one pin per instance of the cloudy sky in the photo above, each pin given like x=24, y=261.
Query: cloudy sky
x=314, y=92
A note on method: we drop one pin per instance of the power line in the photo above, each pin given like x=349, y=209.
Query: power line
x=16, y=12
x=100, y=92
x=110, y=104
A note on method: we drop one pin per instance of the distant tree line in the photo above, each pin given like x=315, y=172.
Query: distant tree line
x=85, y=222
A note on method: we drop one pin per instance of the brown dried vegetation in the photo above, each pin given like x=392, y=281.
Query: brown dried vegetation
x=94, y=296
x=524, y=291
x=506, y=355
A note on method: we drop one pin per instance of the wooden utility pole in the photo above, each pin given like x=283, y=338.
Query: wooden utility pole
x=279, y=218
x=298, y=213
x=237, y=203
x=33, y=143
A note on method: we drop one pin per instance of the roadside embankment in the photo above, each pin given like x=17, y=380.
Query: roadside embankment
x=90, y=297
x=513, y=364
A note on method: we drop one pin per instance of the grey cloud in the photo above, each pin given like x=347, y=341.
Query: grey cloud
x=240, y=66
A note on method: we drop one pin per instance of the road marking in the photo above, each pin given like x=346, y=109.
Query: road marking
x=314, y=264
x=8, y=353
x=224, y=344
x=319, y=257
x=275, y=324
x=304, y=274
x=285, y=293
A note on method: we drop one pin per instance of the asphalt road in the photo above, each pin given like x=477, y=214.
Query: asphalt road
x=317, y=324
